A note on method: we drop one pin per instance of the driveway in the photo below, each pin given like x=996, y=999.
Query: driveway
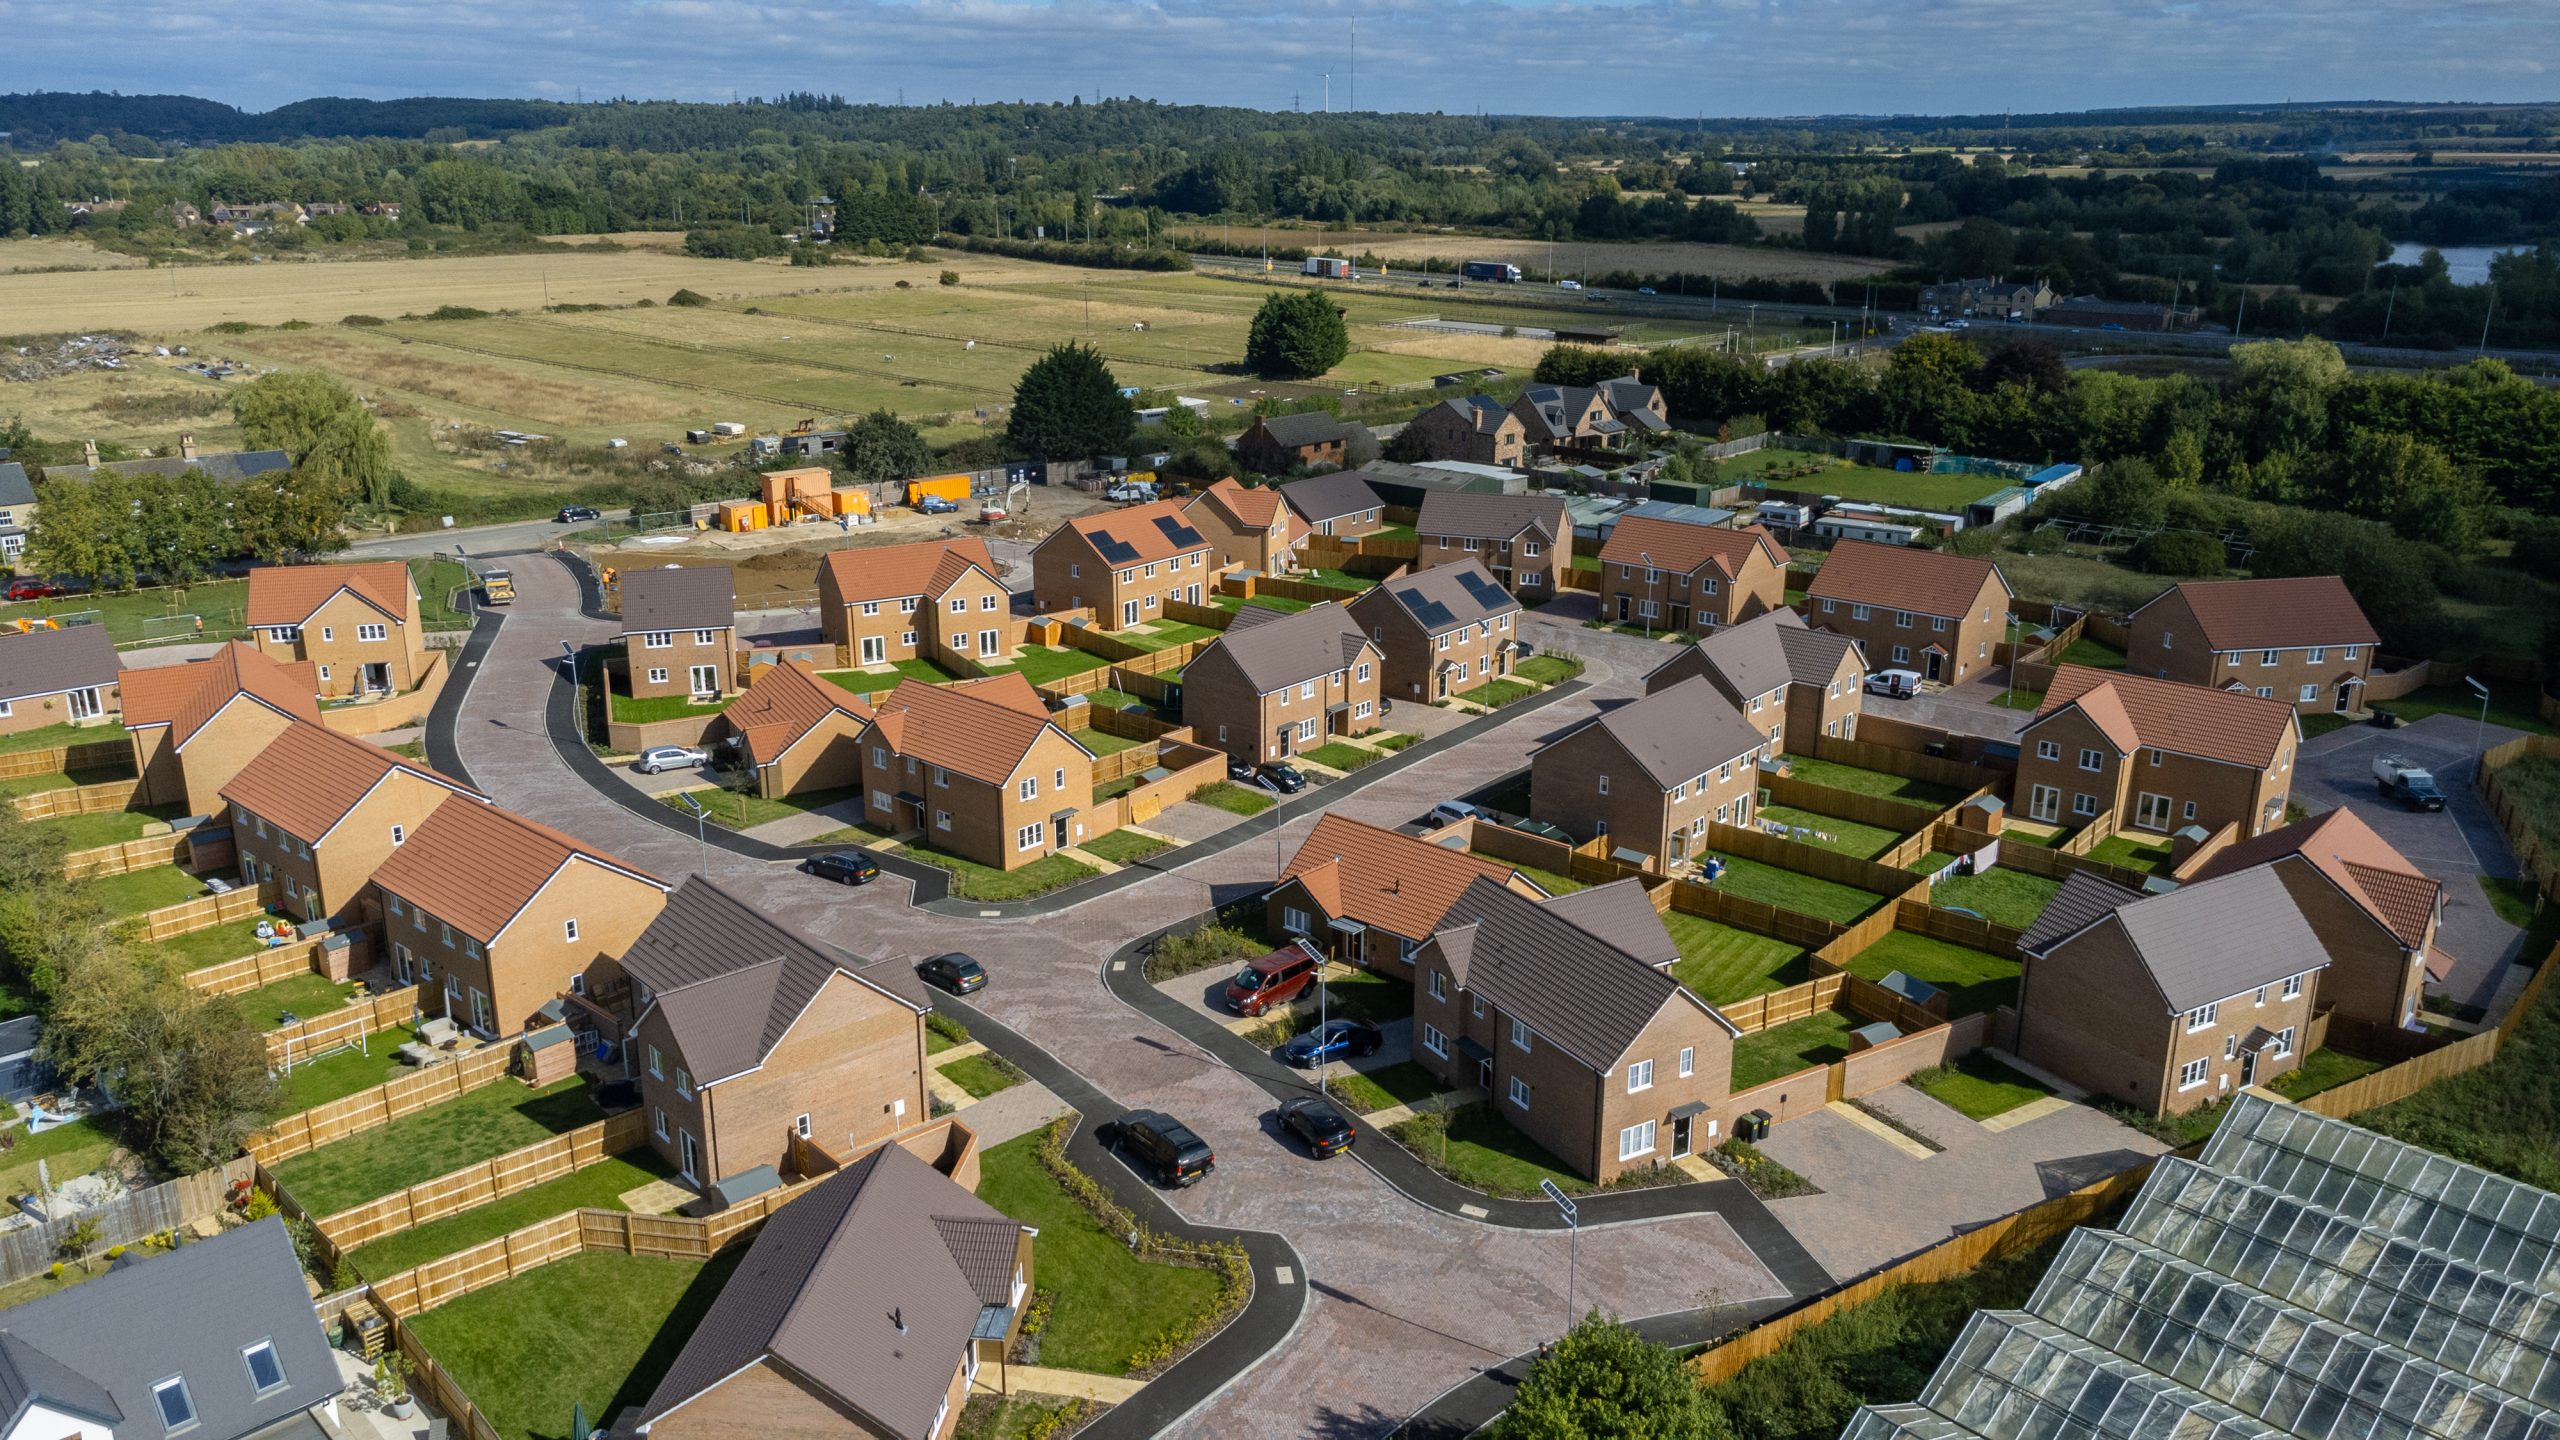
x=1971, y=708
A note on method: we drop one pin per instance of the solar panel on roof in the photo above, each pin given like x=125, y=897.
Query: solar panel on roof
x=1113, y=548
x=1179, y=533
x=1486, y=593
x=1430, y=612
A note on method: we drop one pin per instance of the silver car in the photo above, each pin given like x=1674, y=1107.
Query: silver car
x=668, y=757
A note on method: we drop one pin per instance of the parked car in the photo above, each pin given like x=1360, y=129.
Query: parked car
x=668, y=757
x=2111, y=325
x=960, y=974
x=1283, y=777
x=936, y=505
x=2397, y=777
x=1323, y=1129
x=1162, y=1148
x=1131, y=493
x=1543, y=830
x=28, y=587
x=1959, y=324
x=1275, y=979
x=1901, y=684
x=845, y=867
x=1240, y=770
x=570, y=514
x=1336, y=1040
x=1450, y=812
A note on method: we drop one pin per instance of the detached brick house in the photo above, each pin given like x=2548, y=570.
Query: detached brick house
x=1786, y=678
x=1476, y=429
x=748, y=1033
x=17, y=513
x=1587, y=1048
x=797, y=732
x=1340, y=503
x=2302, y=640
x=2157, y=755
x=499, y=916
x=1276, y=684
x=1123, y=565
x=1366, y=895
x=1278, y=444
x=1525, y=540
x=977, y=769
x=1441, y=631
x=680, y=631
x=357, y=624
x=2167, y=1002
x=195, y=725
x=2376, y=916
x=1249, y=528
x=317, y=813
x=932, y=599
x=1679, y=576
x=874, y=1305
x=1650, y=776
x=1932, y=611
x=55, y=677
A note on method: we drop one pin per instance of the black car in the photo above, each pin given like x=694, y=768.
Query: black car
x=1283, y=777
x=1314, y=1120
x=1240, y=770
x=845, y=867
x=570, y=513
x=954, y=972
x=1335, y=1040
x=1162, y=1147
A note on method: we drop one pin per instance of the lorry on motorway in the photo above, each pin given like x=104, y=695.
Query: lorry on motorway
x=1330, y=267
x=497, y=587
x=2397, y=777
x=1493, y=270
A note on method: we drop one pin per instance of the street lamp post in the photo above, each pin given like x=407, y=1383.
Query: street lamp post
x=1573, y=1253
x=2480, y=733
x=2010, y=681
x=701, y=838
x=1652, y=578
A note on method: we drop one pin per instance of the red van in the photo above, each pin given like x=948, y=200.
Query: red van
x=1275, y=979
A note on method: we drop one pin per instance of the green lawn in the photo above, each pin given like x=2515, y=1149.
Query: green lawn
x=1338, y=579
x=1832, y=475
x=2322, y=1069
x=1829, y=832
x=1041, y=664
x=973, y=881
x=212, y=946
x=1926, y=794
x=1164, y=635
x=600, y=1186
x=1109, y=1302
x=105, y=827
x=437, y=579
x=1931, y=863
x=2026, y=700
x=632, y=710
x=595, y=1329
x=308, y=996
x=66, y=1150
x=1367, y=1091
x=2519, y=903
x=1392, y=740
x=1114, y=789
x=219, y=603
x=137, y=891
x=2085, y=651
x=2511, y=703
x=1013, y=1417
x=1548, y=669
x=491, y=1120
x=1233, y=798
x=1370, y=995
x=1483, y=1151
x=869, y=682
x=1493, y=694
x=1282, y=603
x=981, y=1075
x=1338, y=756
x=1125, y=847
x=17, y=785
x=1804, y=894
x=738, y=810
x=1723, y=964
x=54, y=737
x=1782, y=1050
x=1551, y=882
x=1975, y=980
x=2003, y=897
x=2126, y=850
x=340, y=1075
x=1978, y=1086
x=1101, y=744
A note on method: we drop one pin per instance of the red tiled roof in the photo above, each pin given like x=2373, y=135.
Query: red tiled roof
x=184, y=697
x=475, y=867
x=785, y=702
x=1140, y=540
x=2361, y=863
x=310, y=776
x=971, y=730
x=2136, y=710
x=1400, y=883
x=289, y=594
x=1924, y=582
x=893, y=572
x=1681, y=548
x=1254, y=509
x=2279, y=614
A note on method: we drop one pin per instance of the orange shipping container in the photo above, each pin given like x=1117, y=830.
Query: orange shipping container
x=948, y=487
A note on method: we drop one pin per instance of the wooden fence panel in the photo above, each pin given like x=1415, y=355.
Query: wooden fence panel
x=1214, y=616
x=204, y=912
x=116, y=754
x=79, y=800
x=1780, y=1007
x=258, y=970
x=121, y=858
x=380, y=1105
x=304, y=1040
x=1307, y=590
x=1519, y=847
x=1910, y=764
x=491, y=1179
x=1083, y=682
x=1811, y=932
x=1970, y=931
x=1900, y=816
x=1882, y=881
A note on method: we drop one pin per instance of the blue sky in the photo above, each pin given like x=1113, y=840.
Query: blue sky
x=1671, y=57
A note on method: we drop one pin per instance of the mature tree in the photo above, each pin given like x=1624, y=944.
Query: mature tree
x=1979, y=248
x=1296, y=336
x=1580, y=365
x=285, y=515
x=326, y=431
x=1603, y=1381
x=85, y=531
x=190, y=1070
x=2035, y=364
x=2184, y=553
x=881, y=448
x=1068, y=406
x=41, y=915
x=185, y=525
x=2283, y=391
x=2408, y=485
x=2121, y=492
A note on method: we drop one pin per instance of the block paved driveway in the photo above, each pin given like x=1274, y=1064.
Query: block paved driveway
x=1403, y=1301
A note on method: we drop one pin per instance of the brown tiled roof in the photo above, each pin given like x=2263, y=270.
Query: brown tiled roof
x=729, y=979
x=1899, y=577
x=289, y=594
x=1254, y=507
x=1272, y=651
x=1399, y=883
x=1620, y=915
x=1012, y=689
x=1330, y=496
x=1574, y=989
x=963, y=729
x=893, y=572
x=2359, y=862
x=2198, y=720
x=1681, y=548
x=184, y=697
x=49, y=662
x=784, y=702
x=475, y=867
x=1140, y=535
x=310, y=776
x=1465, y=515
x=1680, y=733
x=697, y=597
x=2276, y=614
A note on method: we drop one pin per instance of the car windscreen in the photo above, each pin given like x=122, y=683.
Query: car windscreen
x=1251, y=979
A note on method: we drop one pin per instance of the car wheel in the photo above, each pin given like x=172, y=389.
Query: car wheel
x=847, y=880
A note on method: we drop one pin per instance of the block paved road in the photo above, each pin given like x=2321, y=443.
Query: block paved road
x=1405, y=1301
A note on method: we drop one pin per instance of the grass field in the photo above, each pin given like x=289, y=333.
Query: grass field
x=737, y=810
x=2003, y=897
x=973, y=881
x=1788, y=890
x=1975, y=980
x=2322, y=1069
x=1568, y=257
x=1723, y=964
x=981, y=1075
x=1233, y=798
x=1857, y=482
x=1367, y=1091
x=2137, y=853
x=55, y=737
x=1925, y=795
x=1483, y=1151
x=1124, y=847
x=337, y=1076
x=104, y=827
x=137, y=891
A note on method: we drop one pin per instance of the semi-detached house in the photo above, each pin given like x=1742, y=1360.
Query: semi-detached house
x=977, y=769
x=193, y=726
x=1525, y=540
x=2302, y=640
x=1786, y=678
x=933, y=599
x=1367, y=896
x=1339, y=503
x=1652, y=775
x=797, y=732
x=1931, y=611
x=1442, y=630
x=2375, y=914
x=357, y=624
x=1124, y=565
x=1276, y=684
x=1249, y=528
x=1672, y=575
x=317, y=813
x=680, y=631
x=2156, y=755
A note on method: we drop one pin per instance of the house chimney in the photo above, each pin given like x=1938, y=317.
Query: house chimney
x=186, y=444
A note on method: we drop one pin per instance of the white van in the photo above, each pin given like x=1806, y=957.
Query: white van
x=1900, y=684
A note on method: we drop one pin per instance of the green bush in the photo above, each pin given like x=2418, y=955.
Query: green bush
x=2182, y=553
x=688, y=298
x=1201, y=949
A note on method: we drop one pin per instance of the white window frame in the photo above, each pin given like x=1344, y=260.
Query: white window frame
x=1439, y=986
x=569, y=929
x=1520, y=1092
x=1031, y=837
x=657, y=639
x=1637, y=1139
x=373, y=632
x=159, y=1402
x=1520, y=1035
x=1688, y=1061
x=269, y=1346
x=1639, y=1077
x=2194, y=1073
x=2203, y=1016
x=1434, y=1041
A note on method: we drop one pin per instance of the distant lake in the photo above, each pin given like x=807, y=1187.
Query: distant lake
x=2464, y=264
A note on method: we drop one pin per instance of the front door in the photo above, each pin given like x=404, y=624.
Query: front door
x=2151, y=812
x=875, y=649
x=84, y=704
x=2249, y=1068
x=1679, y=1136
x=2045, y=804
x=1622, y=608
x=1936, y=659
x=2346, y=696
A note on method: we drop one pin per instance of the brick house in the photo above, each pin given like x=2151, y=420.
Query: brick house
x=1525, y=540
x=1276, y=684
x=797, y=732
x=748, y=1032
x=1278, y=444
x=932, y=599
x=1785, y=677
x=1567, y=417
x=1927, y=610
x=1678, y=576
x=358, y=624
x=1651, y=775
x=2376, y=916
x=194, y=725
x=17, y=514
x=1636, y=404
x=874, y=1305
x=1249, y=528
x=497, y=916
x=1124, y=564
x=2157, y=755
x=1364, y=894
x=1476, y=429
x=56, y=677
x=2000, y=299
x=2302, y=640
x=1588, y=1049
x=1440, y=631
x=2167, y=1002
x=680, y=631
x=978, y=770
x=1339, y=503
x=317, y=813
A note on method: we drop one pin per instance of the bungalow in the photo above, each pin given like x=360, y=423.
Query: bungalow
x=1363, y=894
x=1278, y=444
x=2375, y=914
x=1440, y=631
x=934, y=599
x=1250, y=528
x=1651, y=775
x=2156, y=755
x=2302, y=640
x=1124, y=565
x=358, y=625
x=680, y=631
x=1525, y=540
x=1933, y=611
x=978, y=770
x=317, y=813
x=798, y=732
x=1339, y=503
x=1276, y=684
x=1476, y=428
x=1670, y=575
x=193, y=726
x=58, y=676
x=1783, y=675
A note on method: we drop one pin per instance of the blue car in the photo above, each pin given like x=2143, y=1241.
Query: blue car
x=1337, y=1040
x=936, y=505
